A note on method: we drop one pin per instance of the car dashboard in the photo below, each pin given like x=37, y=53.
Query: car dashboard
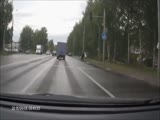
x=18, y=109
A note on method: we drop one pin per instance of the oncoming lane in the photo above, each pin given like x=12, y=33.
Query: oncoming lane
x=18, y=58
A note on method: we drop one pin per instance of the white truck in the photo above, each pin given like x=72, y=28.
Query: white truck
x=39, y=49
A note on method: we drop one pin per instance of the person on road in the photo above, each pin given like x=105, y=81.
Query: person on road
x=82, y=57
x=85, y=55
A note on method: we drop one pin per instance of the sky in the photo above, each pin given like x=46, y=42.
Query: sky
x=59, y=17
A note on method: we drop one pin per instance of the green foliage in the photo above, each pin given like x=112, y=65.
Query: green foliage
x=123, y=17
x=41, y=37
x=51, y=45
x=6, y=9
x=29, y=39
x=26, y=38
x=8, y=36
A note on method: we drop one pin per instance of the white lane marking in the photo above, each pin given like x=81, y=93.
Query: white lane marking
x=24, y=61
x=35, y=78
x=100, y=86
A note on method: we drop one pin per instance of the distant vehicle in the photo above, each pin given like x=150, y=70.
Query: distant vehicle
x=61, y=50
x=28, y=51
x=54, y=53
x=48, y=52
x=70, y=54
x=39, y=49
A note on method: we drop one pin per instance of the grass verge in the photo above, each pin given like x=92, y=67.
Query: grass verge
x=135, y=71
x=4, y=53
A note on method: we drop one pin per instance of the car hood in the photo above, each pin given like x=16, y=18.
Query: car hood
x=64, y=99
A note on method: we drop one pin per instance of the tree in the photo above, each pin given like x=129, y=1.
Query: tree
x=130, y=24
x=41, y=37
x=51, y=45
x=44, y=38
x=6, y=9
x=8, y=37
x=26, y=38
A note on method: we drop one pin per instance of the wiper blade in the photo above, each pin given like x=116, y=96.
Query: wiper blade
x=44, y=94
x=154, y=101
x=105, y=100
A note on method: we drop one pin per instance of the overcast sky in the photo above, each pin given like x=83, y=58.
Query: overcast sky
x=58, y=17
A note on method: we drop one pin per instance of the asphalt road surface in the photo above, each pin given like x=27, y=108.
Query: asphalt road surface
x=36, y=74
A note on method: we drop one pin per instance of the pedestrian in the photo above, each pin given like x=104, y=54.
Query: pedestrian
x=82, y=57
x=85, y=55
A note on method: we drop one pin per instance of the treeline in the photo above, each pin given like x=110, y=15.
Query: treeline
x=131, y=27
x=6, y=33
x=30, y=38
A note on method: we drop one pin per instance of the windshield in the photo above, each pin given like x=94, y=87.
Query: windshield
x=84, y=48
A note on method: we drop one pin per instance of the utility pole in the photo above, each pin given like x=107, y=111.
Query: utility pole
x=104, y=30
x=154, y=49
x=4, y=35
x=84, y=30
x=128, y=48
x=158, y=71
x=140, y=44
x=99, y=43
x=12, y=34
x=12, y=29
x=5, y=25
x=73, y=46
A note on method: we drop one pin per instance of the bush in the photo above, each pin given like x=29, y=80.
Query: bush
x=6, y=53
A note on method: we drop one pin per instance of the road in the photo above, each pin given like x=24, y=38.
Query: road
x=36, y=74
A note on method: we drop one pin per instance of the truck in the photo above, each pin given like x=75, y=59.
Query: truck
x=61, y=50
x=54, y=53
x=39, y=49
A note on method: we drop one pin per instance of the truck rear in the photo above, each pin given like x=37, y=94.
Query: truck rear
x=61, y=50
x=39, y=49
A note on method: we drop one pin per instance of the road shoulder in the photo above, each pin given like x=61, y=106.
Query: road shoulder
x=139, y=74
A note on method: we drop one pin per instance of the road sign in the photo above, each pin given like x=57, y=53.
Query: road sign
x=104, y=36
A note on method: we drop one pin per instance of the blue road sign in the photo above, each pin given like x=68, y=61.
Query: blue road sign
x=104, y=36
